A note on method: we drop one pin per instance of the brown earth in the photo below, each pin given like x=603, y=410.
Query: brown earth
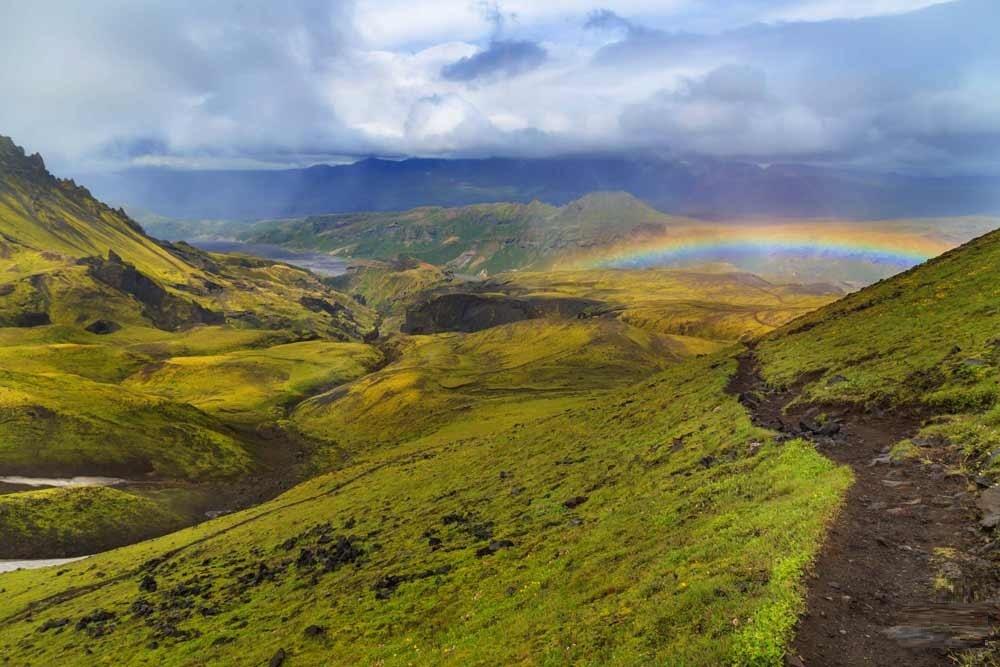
x=901, y=577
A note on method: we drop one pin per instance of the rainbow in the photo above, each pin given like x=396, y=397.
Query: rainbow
x=725, y=243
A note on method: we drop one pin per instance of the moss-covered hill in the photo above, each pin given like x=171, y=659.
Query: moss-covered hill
x=649, y=525
x=556, y=490
x=494, y=237
x=88, y=300
x=66, y=258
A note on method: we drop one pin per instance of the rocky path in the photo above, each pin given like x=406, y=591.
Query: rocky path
x=903, y=564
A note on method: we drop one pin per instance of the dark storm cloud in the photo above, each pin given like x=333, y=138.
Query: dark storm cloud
x=502, y=58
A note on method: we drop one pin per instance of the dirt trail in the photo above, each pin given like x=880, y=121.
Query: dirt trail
x=872, y=598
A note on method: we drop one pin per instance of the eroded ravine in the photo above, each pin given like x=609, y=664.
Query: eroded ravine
x=902, y=560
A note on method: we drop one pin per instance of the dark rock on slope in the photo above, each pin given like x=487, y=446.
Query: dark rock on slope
x=165, y=310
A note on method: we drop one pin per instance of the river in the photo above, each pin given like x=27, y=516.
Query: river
x=61, y=482
x=12, y=565
x=324, y=265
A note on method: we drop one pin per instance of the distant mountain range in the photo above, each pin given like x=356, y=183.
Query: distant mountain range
x=700, y=188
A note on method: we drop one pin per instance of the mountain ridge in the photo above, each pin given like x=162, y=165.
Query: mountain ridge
x=699, y=187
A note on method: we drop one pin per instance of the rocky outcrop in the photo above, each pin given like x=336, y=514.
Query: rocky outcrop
x=165, y=310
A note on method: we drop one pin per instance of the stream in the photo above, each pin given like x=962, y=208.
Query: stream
x=61, y=482
x=319, y=263
x=12, y=565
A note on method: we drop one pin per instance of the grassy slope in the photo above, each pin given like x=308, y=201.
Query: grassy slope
x=251, y=385
x=78, y=521
x=687, y=550
x=45, y=220
x=449, y=377
x=390, y=289
x=495, y=237
x=63, y=405
x=143, y=400
x=927, y=338
x=63, y=423
x=716, y=306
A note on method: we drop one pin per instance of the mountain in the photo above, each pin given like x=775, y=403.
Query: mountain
x=593, y=490
x=69, y=259
x=572, y=467
x=494, y=237
x=618, y=230
x=94, y=312
x=695, y=187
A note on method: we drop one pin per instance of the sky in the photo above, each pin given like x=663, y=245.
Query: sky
x=884, y=84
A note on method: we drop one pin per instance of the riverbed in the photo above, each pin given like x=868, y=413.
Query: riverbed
x=13, y=565
x=60, y=482
x=324, y=265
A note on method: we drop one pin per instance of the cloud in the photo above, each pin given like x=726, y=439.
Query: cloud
x=730, y=111
x=111, y=78
x=605, y=19
x=502, y=58
x=916, y=90
x=113, y=83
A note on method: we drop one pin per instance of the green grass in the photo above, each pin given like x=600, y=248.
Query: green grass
x=672, y=559
x=929, y=336
x=495, y=237
x=445, y=378
x=721, y=306
x=130, y=403
x=64, y=424
x=78, y=521
x=927, y=339
x=255, y=385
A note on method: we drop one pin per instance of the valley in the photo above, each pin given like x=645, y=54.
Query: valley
x=557, y=461
x=601, y=230
x=420, y=333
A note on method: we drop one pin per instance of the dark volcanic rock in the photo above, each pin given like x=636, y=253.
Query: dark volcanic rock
x=574, y=502
x=103, y=327
x=314, y=631
x=148, y=584
x=28, y=320
x=321, y=305
x=97, y=623
x=53, y=624
x=493, y=547
x=164, y=309
x=278, y=659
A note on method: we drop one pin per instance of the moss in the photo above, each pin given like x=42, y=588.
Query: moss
x=655, y=565
x=77, y=521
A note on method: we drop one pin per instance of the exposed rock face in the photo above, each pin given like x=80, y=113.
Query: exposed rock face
x=27, y=320
x=103, y=327
x=321, y=305
x=475, y=312
x=165, y=310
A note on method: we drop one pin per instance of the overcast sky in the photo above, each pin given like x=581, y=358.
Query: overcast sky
x=105, y=84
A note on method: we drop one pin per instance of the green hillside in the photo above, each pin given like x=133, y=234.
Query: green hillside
x=106, y=336
x=623, y=528
x=470, y=239
x=564, y=467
